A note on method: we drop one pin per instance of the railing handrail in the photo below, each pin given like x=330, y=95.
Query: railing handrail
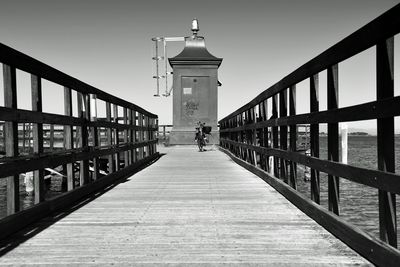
x=28, y=64
x=379, y=29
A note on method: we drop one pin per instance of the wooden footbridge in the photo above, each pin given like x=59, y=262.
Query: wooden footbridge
x=130, y=201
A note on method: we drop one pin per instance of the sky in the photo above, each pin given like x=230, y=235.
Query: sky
x=108, y=44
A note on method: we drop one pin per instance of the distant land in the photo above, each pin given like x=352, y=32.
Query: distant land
x=359, y=133
x=371, y=131
x=350, y=133
x=362, y=132
x=358, y=130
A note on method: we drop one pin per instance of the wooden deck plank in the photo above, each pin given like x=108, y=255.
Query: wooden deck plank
x=187, y=208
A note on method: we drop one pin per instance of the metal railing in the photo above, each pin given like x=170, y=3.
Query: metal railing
x=244, y=136
x=122, y=144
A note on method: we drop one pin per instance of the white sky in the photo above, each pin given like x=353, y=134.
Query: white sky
x=107, y=44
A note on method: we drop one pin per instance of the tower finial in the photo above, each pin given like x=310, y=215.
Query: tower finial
x=195, y=26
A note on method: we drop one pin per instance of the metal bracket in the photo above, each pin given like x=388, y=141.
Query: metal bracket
x=164, y=58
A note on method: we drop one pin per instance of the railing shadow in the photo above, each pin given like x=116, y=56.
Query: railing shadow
x=32, y=230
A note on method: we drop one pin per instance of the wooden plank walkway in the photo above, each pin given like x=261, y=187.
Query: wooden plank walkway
x=187, y=208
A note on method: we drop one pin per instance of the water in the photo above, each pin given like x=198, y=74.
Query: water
x=53, y=185
x=358, y=203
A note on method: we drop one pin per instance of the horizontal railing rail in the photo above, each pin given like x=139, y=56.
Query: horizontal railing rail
x=104, y=149
x=252, y=137
x=12, y=57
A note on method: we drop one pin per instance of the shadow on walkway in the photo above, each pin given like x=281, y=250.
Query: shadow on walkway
x=23, y=235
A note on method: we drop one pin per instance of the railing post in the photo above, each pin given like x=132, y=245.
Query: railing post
x=237, y=137
x=134, y=154
x=261, y=133
x=68, y=137
x=11, y=136
x=254, y=135
x=95, y=135
x=130, y=138
x=141, y=133
x=314, y=137
x=150, y=120
x=146, y=120
x=385, y=130
x=283, y=132
x=333, y=138
x=250, y=135
x=38, y=175
x=242, y=136
x=51, y=136
x=126, y=154
x=111, y=168
x=265, y=133
x=275, y=133
x=116, y=137
x=156, y=129
x=293, y=136
x=83, y=111
x=246, y=135
x=153, y=135
x=23, y=137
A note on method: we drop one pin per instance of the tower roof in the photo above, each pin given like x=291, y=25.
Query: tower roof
x=195, y=53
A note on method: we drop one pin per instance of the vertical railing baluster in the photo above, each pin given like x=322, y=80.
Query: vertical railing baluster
x=126, y=156
x=246, y=135
x=79, y=134
x=146, y=119
x=314, y=137
x=130, y=138
x=38, y=175
x=244, y=150
x=51, y=137
x=155, y=130
x=293, y=136
x=237, y=136
x=260, y=133
x=254, y=135
x=68, y=137
x=85, y=139
x=241, y=134
x=333, y=137
x=153, y=135
x=385, y=130
x=95, y=134
x=141, y=135
x=275, y=142
x=265, y=133
x=283, y=132
x=144, y=135
x=116, y=137
x=134, y=154
x=11, y=136
x=250, y=135
x=111, y=168
x=23, y=137
x=150, y=126
x=233, y=135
